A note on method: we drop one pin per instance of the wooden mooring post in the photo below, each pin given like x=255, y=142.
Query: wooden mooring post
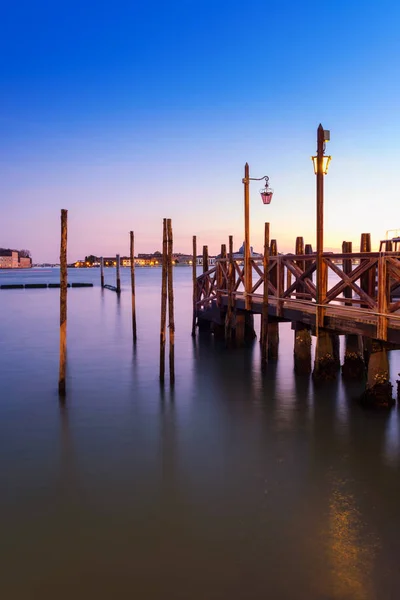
x=171, y=318
x=167, y=297
x=273, y=325
x=102, y=272
x=203, y=324
x=132, y=260
x=229, y=317
x=118, y=286
x=163, y=302
x=194, y=280
x=302, y=333
x=63, y=303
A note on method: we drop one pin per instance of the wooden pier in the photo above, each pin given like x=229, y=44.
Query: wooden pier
x=359, y=296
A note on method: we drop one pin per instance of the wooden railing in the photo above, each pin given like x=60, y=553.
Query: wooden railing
x=358, y=281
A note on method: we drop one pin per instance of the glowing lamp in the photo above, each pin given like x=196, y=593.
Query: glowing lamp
x=325, y=163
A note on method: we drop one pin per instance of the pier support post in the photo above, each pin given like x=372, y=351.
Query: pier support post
x=353, y=366
x=203, y=324
x=194, y=282
x=302, y=349
x=379, y=392
x=325, y=367
x=336, y=349
x=230, y=313
x=273, y=326
x=244, y=327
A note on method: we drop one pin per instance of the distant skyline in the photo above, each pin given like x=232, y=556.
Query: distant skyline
x=125, y=113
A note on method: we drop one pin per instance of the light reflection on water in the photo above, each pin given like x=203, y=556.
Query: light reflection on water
x=236, y=484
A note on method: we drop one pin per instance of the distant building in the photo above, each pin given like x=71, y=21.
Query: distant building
x=199, y=260
x=10, y=259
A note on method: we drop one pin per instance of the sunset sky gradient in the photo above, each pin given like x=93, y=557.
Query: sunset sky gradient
x=127, y=112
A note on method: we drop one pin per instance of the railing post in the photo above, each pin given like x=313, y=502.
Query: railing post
x=220, y=278
x=383, y=299
x=231, y=285
x=205, y=269
x=273, y=325
x=347, y=248
x=280, y=286
x=299, y=250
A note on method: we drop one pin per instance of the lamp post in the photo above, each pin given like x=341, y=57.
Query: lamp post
x=321, y=164
x=266, y=196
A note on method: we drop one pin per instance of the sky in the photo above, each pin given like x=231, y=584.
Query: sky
x=128, y=112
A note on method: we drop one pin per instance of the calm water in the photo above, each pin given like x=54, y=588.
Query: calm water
x=234, y=486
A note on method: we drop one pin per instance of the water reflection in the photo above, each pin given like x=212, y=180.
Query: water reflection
x=351, y=552
x=236, y=483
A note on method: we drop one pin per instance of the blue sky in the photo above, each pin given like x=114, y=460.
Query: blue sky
x=125, y=113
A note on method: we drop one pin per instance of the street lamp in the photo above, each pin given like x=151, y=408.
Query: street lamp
x=266, y=196
x=321, y=164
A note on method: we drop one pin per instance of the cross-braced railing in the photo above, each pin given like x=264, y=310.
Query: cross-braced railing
x=356, y=283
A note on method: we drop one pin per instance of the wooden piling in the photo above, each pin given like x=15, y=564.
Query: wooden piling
x=264, y=328
x=102, y=272
x=221, y=269
x=379, y=390
x=368, y=280
x=118, y=286
x=171, y=318
x=63, y=303
x=163, y=302
x=309, y=250
x=132, y=257
x=205, y=259
x=229, y=312
x=194, y=280
x=273, y=326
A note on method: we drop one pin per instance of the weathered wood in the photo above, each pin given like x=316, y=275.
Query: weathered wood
x=102, y=272
x=231, y=285
x=347, y=269
x=63, y=303
x=273, y=327
x=383, y=299
x=206, y=265
x=194, y=280
x=118, y=263
x=299, y=250
x=163, y=302
x=132, y=257
x=321, y=271
x=171, y=317
x=221, y=274
x=367, y=281
x=378, y=392
x=264, y=327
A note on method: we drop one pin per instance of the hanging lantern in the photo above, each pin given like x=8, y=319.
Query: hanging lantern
x=266, y=194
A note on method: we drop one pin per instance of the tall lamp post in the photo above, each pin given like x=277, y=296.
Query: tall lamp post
x=321, y=164
x=266, y=196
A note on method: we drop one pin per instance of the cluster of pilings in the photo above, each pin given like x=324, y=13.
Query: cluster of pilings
x=364, y=359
